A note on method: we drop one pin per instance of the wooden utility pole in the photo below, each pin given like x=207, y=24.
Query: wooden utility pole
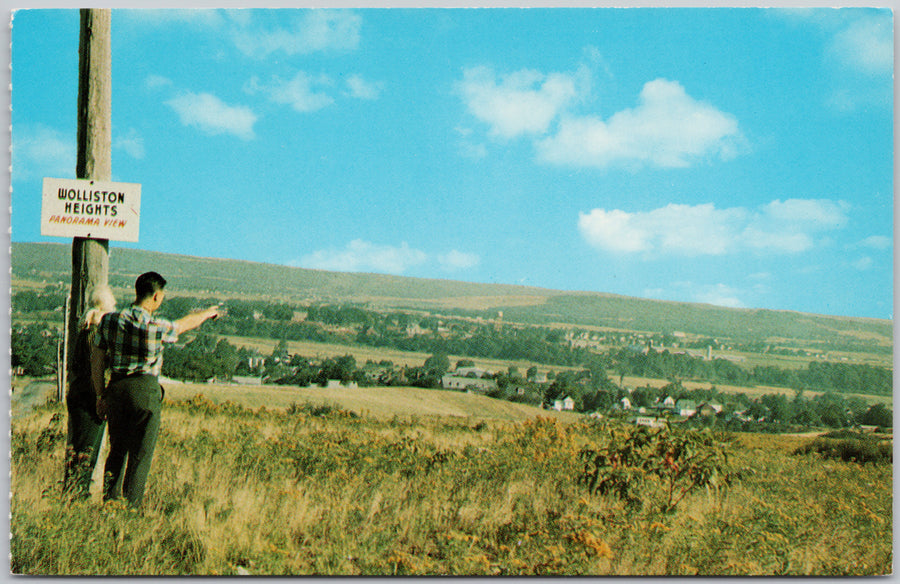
x=90, y=257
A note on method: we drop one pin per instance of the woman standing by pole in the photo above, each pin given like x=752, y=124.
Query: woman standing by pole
x=85, y=428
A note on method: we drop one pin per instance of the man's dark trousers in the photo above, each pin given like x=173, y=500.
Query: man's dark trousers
x=134, y=404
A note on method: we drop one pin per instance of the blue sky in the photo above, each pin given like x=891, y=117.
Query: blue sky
x=734, y=156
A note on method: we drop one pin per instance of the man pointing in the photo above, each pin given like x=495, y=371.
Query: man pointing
x=130, y=344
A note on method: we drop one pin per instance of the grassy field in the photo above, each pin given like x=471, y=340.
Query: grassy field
x=404, y=402
x=801, y=362
x=309, y=484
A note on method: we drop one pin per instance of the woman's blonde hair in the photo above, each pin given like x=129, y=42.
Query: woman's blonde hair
x=102, y=301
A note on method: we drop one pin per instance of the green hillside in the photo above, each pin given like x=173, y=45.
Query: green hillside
x=53, y=261
x=232, y=278
x=704, y=319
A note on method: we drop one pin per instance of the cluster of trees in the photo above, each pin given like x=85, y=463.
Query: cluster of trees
x=823, y=375
x=666, y=365
x=33, y=349
x=535, y=344
x=203, y=358
x=329, y=323
x=819, y=375
x=33, y=301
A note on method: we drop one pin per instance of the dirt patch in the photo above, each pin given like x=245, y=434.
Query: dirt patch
x=28, y=393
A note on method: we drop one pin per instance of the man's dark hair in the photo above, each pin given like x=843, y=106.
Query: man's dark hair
x=148, y=284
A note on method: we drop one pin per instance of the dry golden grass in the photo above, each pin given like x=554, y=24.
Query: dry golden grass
x=374, y=401
x=283, y=492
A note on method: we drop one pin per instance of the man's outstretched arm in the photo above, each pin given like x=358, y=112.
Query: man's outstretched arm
x=195, y=319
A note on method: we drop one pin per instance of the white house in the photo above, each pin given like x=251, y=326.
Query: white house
x=336, y=383
x=626, y=403
x=243, y=380
x=686, y=408
x=466, y=383
x=648, y=421
x=566, y=403
x=539, y=377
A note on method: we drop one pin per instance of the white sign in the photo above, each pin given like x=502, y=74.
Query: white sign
x=91, y=208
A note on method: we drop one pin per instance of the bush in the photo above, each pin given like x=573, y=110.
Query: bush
x=320, y=410
x=860, y=450
x=676, y=461
x=845, y=434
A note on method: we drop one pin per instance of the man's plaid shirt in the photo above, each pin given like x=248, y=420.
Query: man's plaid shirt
x=133, y=340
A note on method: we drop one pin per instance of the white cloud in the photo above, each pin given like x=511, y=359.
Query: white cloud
x=39, y=151
x=858, y=38
x=615, y=230
x=677, y=229
x=208, y=113
x=523, y=102
x=777, y=240
x=719, y=295
x=312, y=31
x=866, y=45
x=685, y=230
x=168, y=17
x=364, y=256
x=265, y=32
x=716, y=294
x=303, y=92
x=859, y=51
x=157, y=81
x=132, y=143
x=457, y=260
x=814, y=213
x=668, y=128
x=789, y=226
x=361, y=89
x=877, y=242
x=863, y=263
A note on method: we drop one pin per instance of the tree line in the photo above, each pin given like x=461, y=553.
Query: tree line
x=818, y=375
x=347, y=324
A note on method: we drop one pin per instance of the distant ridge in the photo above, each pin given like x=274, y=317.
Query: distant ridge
x=233, y=278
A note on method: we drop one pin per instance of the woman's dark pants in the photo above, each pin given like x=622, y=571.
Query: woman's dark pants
x=85, y=435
